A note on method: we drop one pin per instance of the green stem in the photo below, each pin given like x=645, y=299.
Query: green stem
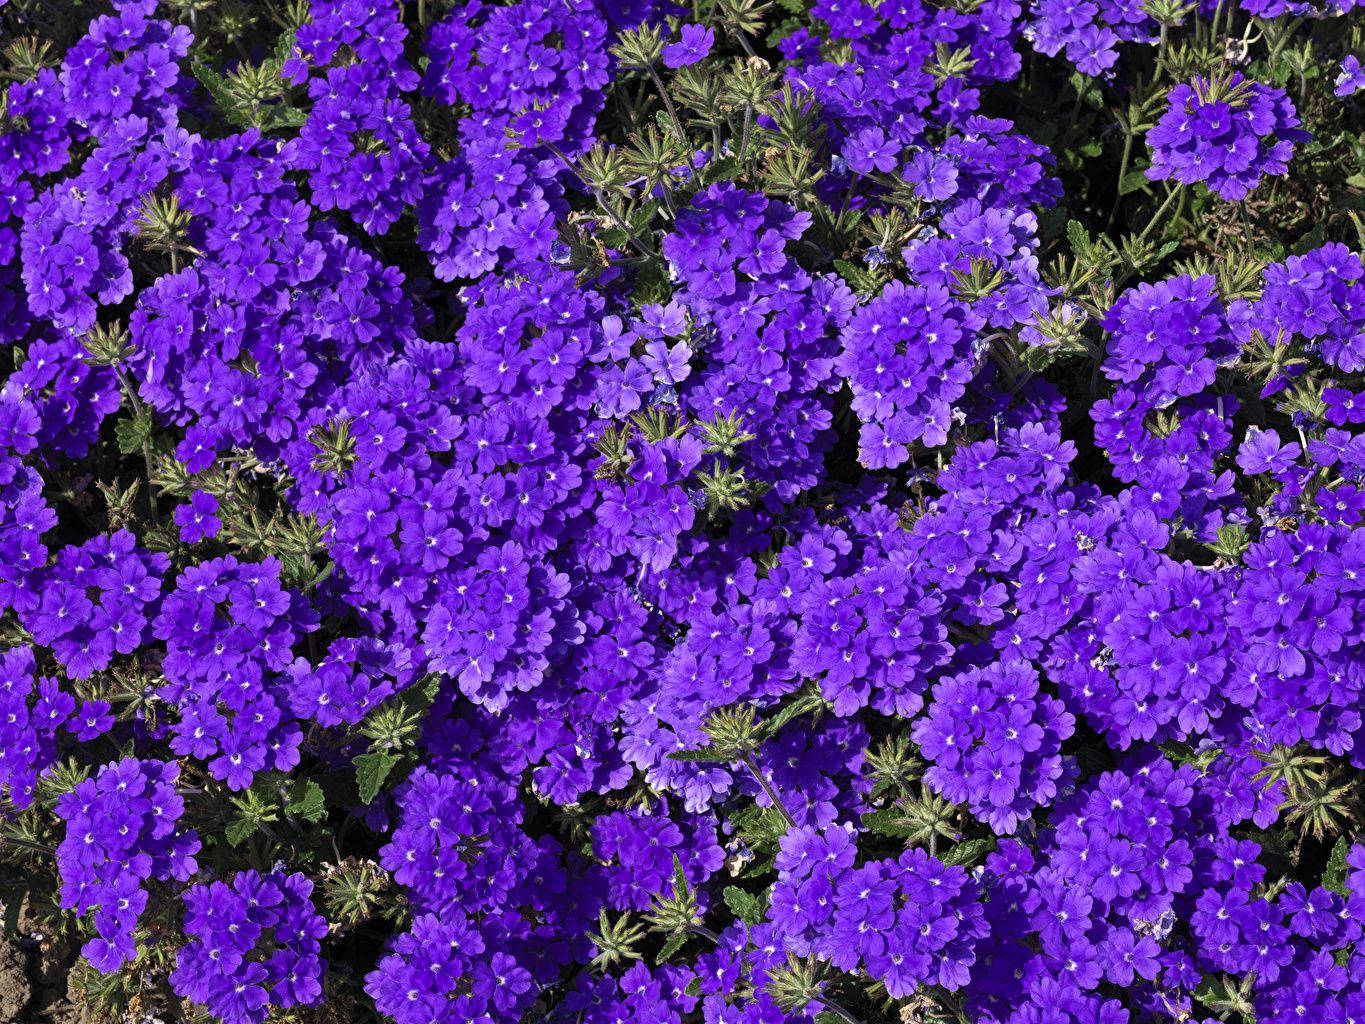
x=136, y=403
x=1282, y=39
x=27, y=844
x=743, y=41
x=616, y=218
x=768, y=789
x=668, y=102
x=1217, y=17
x=1156, y=217
x=1123, y=170
x=667, y=194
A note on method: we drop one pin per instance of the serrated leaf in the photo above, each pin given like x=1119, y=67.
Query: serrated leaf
x=1334, y=874
x=1134, y=181
x=131, y=433
x=759, y=826
x=705, y=755
x=680, y=885
x=968, y=852
x=239, y=830
x=723, y=169
x=670, y=947
x=889, y=821
x=217, y=88
x=808, y=701
x=1165, y=251
x=284, y=47
x=784, y=28
x=283, y=117
x=744, y=905
x=308, y=802
x=1078, y=237
x=643, y=216
x=370, y=772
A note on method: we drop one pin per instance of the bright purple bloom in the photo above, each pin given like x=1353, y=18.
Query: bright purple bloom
x=695, y=44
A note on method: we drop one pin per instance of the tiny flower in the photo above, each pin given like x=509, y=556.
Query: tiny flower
x=1350, y=79
x=197, y=520
x=695, y=45
x=870, y=150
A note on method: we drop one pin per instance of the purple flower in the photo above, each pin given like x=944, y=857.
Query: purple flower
x=120, y=833
x=1228, y=132
x=1350, y=78
x=695, y=44
x=1262, y=452
x=253, y=941
x=197, y=520
x=870, y=150
x=669, y=365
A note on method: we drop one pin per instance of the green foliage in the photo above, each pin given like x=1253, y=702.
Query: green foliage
x=1334, y=874
x=371, y=770
x=745, y=905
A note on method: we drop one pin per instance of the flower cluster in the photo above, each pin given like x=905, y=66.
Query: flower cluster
x=121, y=834
x=254, y=943
x=907, y=922
x=907, y=356
x=994, y=742
x=1229, y=133
x=586, y=511
x=96, y=602
x=229, y=627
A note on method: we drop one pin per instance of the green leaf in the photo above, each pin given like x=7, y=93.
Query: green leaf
x=131, y=433
x=217, y=87
x=969, y=852
x=238, y=830
x=705, y=754
x=1078, y=237
x=670, y=947
x=307, y=802
x=889, y=821
x=284, y=47
x=680, y=885
x=724, y=169
x=283, y=117
x=808, y=701
x=1164, y=251
x=370, y=772
x=784, y=28
x=1134, y=181
x=744, y=905
x=759, y=826
x=1334, y=874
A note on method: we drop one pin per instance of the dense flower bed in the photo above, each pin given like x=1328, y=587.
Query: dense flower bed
x=600, y=511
